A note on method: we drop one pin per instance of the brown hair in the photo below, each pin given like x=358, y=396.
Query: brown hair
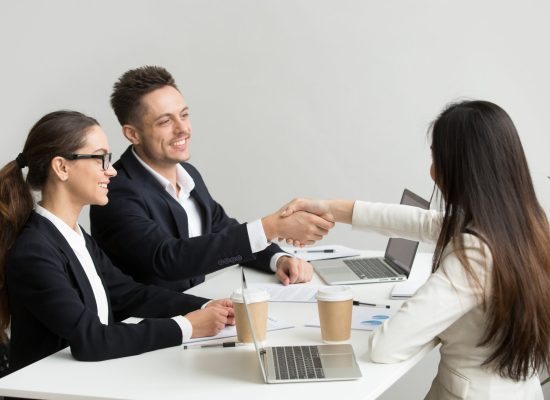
x=56, y=133
x=486, y=186
x=132, y=86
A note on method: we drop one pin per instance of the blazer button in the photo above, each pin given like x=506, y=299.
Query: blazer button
x=220, y=262
x=238, y=258
x=226, y=261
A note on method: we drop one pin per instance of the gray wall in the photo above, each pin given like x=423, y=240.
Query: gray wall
x=288, y=98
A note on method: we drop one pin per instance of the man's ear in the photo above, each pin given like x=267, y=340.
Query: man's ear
x=60, y=168
x=131, y=133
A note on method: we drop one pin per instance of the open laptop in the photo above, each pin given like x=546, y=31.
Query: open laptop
x=394, y=266
x=285, y=364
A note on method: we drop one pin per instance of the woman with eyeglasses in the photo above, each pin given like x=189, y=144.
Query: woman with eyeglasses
x=56, y=284
x=488, y=300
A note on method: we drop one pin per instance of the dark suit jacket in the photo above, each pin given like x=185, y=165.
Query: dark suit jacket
x=52, y=304
x=143, y=229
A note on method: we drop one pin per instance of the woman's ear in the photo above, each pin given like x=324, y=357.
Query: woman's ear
x=60, y=168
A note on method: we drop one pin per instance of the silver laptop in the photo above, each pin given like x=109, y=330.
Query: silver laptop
x=394, y=266
x=284, y=364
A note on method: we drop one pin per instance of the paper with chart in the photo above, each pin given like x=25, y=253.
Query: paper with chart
x=273, y=324
x=362, y=318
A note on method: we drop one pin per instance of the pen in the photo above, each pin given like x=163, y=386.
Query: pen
x=212, y=345
x=358, y=303
x=314, y=251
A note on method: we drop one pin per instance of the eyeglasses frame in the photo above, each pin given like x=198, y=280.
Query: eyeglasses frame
x=105, y=158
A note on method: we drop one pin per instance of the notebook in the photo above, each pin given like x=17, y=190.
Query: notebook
x=394, y=266
x=285, y=364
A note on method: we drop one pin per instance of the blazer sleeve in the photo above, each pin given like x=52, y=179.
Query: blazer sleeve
x=221, y=221
x=397, y=220
x=129, y=298
x=39, y=280
x=137, y=230
x=447, y=296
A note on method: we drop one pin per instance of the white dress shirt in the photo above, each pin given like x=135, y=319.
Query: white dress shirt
x=76, y=241
x=255, y=230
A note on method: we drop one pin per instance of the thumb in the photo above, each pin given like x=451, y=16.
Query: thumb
x=288, y=211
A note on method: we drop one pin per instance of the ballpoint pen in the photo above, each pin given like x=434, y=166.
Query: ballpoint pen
x=213, y=345
x=314, y=251
x=359, y=303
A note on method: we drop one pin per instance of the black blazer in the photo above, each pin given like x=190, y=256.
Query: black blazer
x=144, y=231
x=52, y=304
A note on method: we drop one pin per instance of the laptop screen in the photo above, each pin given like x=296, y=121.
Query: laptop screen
x=403, y=251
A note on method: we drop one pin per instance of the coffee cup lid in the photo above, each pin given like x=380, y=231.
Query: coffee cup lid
x=335, y=293
x=253, y=295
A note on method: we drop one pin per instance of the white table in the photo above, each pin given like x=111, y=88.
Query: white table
x=211, y=373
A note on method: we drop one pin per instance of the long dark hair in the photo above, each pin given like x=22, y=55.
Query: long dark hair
x=486, y=187
x=55, y=133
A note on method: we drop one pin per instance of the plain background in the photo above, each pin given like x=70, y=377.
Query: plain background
x=290, y=98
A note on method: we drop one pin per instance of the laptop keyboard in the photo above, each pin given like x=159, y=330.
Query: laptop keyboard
x=370, y=268
x=297, y=362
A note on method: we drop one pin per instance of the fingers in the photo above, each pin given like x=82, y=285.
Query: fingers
x=321, y=223
x=221, y=302
x=312, y=206
x=293, y=271
x=210, y=320
x=282, y=276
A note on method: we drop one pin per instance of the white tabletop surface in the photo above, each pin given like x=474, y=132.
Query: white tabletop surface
x=212, y=373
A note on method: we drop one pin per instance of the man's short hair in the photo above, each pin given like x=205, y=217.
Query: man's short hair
x=132, y=86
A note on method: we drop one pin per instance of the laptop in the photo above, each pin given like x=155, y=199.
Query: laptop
x=285, y=364
x=394, y=266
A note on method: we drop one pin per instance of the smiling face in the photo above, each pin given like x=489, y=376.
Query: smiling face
x=162, y=137
x=87, y=181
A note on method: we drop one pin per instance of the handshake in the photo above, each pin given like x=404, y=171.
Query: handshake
x=303, y=221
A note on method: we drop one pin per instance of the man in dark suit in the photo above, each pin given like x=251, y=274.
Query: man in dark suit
x=161, y=225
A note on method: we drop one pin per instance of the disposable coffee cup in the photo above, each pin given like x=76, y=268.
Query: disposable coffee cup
x=335, y=304
x=257, y=302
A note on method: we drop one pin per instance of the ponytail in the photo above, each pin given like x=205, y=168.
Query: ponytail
x=55, y=133
x=16, y=204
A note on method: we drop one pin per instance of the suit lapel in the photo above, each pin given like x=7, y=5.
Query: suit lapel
x=76, y=269
x=142, y=177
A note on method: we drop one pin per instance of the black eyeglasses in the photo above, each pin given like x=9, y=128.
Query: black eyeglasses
x=105, y=158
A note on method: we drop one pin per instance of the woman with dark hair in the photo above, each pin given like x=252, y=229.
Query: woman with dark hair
x=488, y=299
x=57, y=286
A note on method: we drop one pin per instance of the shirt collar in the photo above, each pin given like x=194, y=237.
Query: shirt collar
x=75, y=238
x=184, y=180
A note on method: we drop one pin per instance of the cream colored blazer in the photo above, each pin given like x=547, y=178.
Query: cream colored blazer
x=446, y=309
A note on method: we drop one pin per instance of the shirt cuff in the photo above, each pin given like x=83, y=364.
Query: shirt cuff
x=275, y=258
x=185, y=326
x=256, y=236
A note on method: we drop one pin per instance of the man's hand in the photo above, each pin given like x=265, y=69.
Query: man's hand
x=330, y=210
x=305, y=227
x=293, y=270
